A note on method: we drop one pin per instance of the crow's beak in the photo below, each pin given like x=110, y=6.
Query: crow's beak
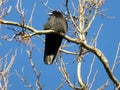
x=50, y=13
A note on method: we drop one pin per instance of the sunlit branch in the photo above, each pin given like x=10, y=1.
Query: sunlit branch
x=68, y=52
x=113, y=67
x=71, y=17
x=87, y=16
x=79, y=76
x=92, y=19
x=38, y=32
x=103, y=60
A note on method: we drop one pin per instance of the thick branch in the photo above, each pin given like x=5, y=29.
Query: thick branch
x=104, y=61
x=36, y=32
x=79, y=76
x=17, y=24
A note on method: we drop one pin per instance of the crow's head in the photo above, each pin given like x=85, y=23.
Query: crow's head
x=55, y=13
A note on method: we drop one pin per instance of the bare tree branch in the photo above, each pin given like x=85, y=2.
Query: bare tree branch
x=79, y=76
x=60, y=86
x=68, y=52
x=113, y=67
x=4, y=12
x=11, y=63
x=90, y=71
x=30, y=20
x=39, y=32
x=22, y=78
x=103, y=60
x=4, y=74
x=38, y=84
x=96, y=37
x=63, y=70
x=91, y=85
x=116, y=57
x=104, y=85
x=46, y=4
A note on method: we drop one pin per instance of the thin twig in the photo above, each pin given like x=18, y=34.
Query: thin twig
x=6, y=55
x=46, y=5
x=90, y=71
x=4, y=74
x=60, y=86
x=104, y=85
x=92, y=19
x=116, y=57
x=30, y=20
x=24, y=80
x=38, y=84
x=93, y=80
x=63, y=70
x=11, y=63
x=97, y=35
x=68, y=52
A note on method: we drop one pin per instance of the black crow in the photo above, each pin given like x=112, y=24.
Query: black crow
x=58, y=23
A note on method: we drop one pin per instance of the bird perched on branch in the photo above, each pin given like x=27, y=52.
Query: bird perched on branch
x=58, y=23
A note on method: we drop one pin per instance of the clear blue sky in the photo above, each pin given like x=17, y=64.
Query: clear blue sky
x=50, y=76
